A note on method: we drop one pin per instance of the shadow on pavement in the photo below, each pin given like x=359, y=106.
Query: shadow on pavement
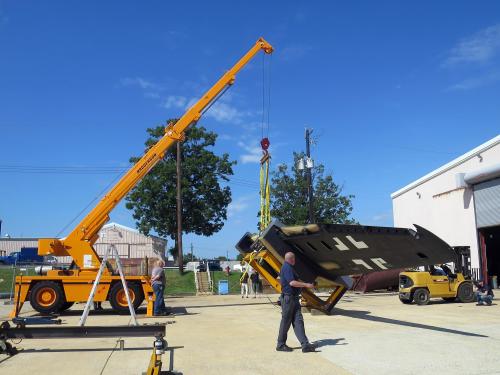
x=105, y=312
x=228, y=305
x=324, y=342
x=329, y=342
x=176, y=311
x=365, y=315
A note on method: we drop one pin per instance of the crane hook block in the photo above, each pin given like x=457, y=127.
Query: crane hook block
x=265, y=143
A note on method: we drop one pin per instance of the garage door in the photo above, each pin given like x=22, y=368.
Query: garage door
x=487, y=202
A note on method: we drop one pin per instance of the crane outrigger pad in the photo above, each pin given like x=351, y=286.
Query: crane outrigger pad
x=330, y=252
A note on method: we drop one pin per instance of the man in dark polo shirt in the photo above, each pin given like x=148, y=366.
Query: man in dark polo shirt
x=290, y=307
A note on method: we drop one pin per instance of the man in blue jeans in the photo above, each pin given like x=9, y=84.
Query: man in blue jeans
x=158, y=284
x=290, y=307
x=484, y=294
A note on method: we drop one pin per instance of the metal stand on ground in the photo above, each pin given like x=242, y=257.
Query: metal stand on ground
x=13, y=285
x=112, y=249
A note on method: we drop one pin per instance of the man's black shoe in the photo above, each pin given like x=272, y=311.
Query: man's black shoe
x=309, y=348
x=163, y=313
x=284, y=348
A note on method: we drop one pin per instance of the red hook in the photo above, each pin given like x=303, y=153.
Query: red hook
x=264, y=143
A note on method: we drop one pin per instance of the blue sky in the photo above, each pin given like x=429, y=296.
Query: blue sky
x=392, y=89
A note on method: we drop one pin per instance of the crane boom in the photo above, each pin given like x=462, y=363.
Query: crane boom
x=79, y=243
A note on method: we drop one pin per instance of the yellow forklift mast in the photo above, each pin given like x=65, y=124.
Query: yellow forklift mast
x=268, y=264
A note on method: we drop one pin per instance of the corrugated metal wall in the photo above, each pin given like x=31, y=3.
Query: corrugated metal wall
x=129, y=243
x=487, y=203
x=10, y=245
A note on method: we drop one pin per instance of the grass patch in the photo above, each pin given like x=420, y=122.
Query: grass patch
x=179, y=284
x=233, y=278
x=184, y=284
x=6, y=274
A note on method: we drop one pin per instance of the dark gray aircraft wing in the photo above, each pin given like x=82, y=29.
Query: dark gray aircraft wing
x=333, y=250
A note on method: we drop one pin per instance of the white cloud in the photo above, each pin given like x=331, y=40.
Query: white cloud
x=224, y=112
x=480, y=47
x=473, y=83
x=238, y=205
x=140, y=82
x=253, y=152
x=175, y=101
x=382, y=217
x=221, y=111
x=225, y=137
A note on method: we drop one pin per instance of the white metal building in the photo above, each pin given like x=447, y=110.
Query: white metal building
x=459, y=202
x=9, y=245
x=129, y=242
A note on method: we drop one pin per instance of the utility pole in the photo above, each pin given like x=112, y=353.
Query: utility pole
x=191, y=251
x=309, y=165
x=180, y=258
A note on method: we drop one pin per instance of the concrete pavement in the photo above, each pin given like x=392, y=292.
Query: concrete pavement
x=368, y=334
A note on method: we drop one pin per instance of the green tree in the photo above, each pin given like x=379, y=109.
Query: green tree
x=289, y=202
x=204, y=198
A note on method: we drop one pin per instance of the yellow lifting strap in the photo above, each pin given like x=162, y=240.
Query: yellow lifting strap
x=265, y=191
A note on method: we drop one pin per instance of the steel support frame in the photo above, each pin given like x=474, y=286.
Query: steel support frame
x=312, y=301
x=26, y=332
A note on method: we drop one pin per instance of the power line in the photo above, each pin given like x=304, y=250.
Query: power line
x=6, y=168
x=90, y=203
x=33, y=169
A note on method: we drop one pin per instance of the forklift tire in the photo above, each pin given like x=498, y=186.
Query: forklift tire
x=465, y=292
x=47, y=297
x=421, y=296
x=118, y=299
x=406, y=301
x=66, y=306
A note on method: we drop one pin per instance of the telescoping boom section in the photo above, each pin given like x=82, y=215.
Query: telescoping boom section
x=62, y=288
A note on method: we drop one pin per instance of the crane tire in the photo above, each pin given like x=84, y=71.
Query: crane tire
x=47, y=297
x=118, y=300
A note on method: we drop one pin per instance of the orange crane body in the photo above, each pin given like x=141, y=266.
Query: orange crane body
x=59, y=289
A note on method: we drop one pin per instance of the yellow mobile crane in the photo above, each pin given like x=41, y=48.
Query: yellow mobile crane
x=57, y=290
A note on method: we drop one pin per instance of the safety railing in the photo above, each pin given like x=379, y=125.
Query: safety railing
x=195, y=270
x=210, y=282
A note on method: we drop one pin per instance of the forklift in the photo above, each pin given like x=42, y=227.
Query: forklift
x=421, y=286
